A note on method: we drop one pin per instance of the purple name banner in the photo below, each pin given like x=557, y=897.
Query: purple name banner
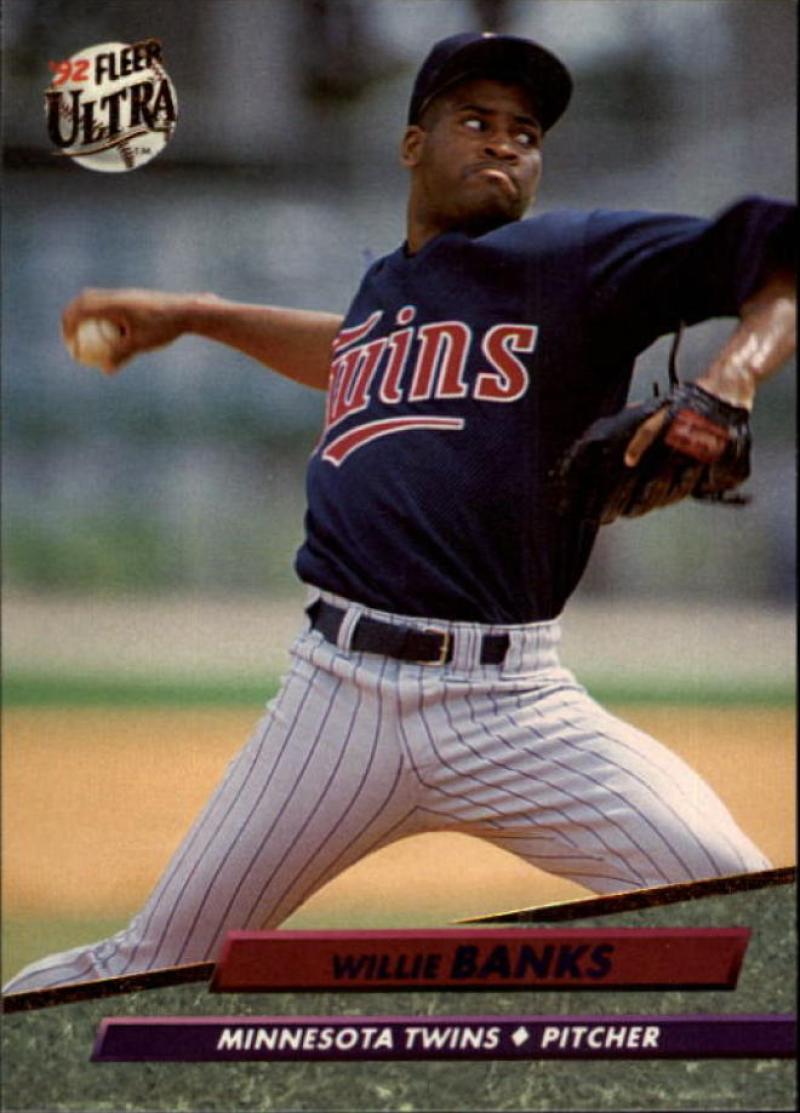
x=282, y=1039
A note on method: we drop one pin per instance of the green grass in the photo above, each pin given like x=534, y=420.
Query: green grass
x=35, y=689
x=23, y=689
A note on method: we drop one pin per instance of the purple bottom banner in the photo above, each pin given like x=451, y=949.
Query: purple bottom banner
x=282, y=1039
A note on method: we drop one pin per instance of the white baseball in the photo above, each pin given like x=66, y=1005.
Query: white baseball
x=95, y=342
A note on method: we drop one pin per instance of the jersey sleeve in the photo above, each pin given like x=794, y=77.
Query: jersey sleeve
x=647, y=272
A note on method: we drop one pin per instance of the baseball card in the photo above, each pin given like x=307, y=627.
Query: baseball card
x=399, y=599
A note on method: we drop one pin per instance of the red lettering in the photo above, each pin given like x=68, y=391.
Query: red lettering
x=509, y=378
x=399, y=344
x=442, y=355
x=340, y=448
x=357, y=332
x=341, y=374
x=439, y=372
x=354, y=372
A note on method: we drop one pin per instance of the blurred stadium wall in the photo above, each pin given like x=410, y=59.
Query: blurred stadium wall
x=281, y=183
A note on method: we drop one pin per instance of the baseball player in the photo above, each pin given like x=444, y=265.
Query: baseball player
x=425, y=691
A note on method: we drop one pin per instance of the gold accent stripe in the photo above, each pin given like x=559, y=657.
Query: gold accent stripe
x=639, y=898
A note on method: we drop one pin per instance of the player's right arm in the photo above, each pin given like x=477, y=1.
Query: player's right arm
x=294, y=342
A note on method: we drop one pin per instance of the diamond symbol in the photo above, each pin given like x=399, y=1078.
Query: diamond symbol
x=519, y=1037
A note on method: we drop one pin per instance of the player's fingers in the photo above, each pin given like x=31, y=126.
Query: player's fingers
x=93, y=303
x=118, y=358
x=76, y=311
x=112, y=364
x=644, y=437
x=70, y=318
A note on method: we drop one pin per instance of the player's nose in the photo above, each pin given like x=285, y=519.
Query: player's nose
x=501, y=146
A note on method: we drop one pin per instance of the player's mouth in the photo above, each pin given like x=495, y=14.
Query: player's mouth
x=491, y=171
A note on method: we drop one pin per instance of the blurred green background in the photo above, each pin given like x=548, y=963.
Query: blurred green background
x=280, y=184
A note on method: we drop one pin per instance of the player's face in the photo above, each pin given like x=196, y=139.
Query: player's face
x=476, y=158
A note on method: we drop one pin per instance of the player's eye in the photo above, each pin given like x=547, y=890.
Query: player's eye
x=527, y=139
x=474, y=123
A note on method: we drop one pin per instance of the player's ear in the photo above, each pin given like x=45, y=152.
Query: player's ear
x=411, y=146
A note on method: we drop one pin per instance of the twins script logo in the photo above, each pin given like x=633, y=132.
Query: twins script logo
x=111, y=107
x=362, y=369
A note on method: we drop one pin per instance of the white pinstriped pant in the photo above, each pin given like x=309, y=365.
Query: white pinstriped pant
x=358, y=750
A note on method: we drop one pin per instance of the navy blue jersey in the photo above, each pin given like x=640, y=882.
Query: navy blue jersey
x=462, y=372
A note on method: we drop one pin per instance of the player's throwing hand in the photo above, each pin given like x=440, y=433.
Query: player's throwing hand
x=133, y=321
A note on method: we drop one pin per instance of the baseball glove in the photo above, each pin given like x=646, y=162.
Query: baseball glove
x=702, y=451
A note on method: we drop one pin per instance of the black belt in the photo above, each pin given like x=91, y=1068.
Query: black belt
x=429, y=646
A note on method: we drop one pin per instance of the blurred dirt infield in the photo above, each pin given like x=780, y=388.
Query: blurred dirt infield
x=96, y=800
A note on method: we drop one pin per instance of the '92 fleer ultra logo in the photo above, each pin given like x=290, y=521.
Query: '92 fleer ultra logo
x=111, y=107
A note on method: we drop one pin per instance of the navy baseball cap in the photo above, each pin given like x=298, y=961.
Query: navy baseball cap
x=501, y=57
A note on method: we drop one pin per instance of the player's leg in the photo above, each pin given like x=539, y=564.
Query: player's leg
x=320, y=783
x=634, y=813
x=528, y=760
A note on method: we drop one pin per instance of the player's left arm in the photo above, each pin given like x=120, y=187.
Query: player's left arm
x=759, y=346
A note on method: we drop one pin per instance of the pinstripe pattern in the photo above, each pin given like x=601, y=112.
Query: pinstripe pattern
x=358, y=750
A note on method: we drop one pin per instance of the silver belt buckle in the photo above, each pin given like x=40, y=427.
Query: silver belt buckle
x=446, y=637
